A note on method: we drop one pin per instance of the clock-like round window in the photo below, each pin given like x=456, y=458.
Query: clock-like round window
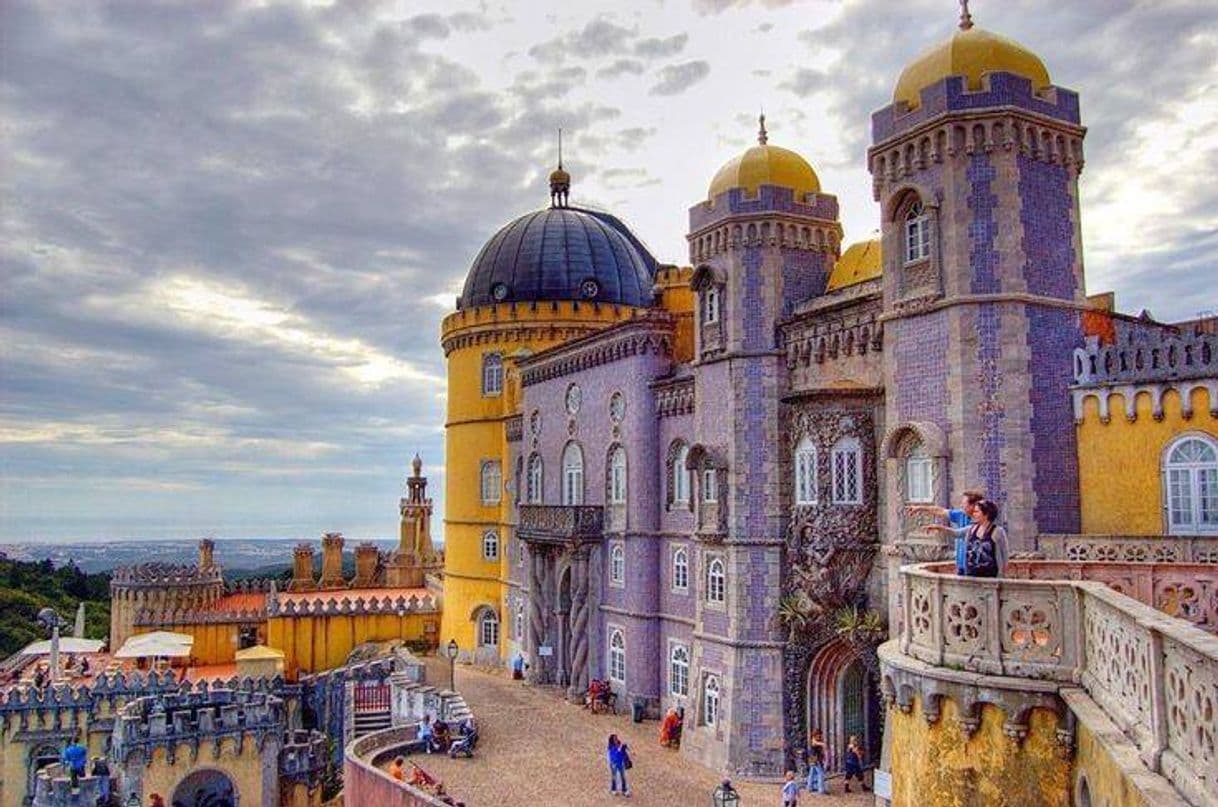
x=575, y=397
x=589, y=289
x=499, y=291
x=617, y=407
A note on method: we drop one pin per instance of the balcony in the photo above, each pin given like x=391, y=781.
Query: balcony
x=561, y=524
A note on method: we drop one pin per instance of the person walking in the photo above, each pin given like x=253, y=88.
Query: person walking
x=816, y=764
x=790, y=791
x=619, y=762
x=854, y=763
x=957, y=518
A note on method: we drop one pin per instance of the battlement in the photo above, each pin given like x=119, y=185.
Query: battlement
x=324, y=604
x=459, y=327
x=156, y=574
x=115, y=686
x=194, y=717
x=53, y=788
x=769, y=199
x=1155, y=355
x=151, y=617
x=303, y=756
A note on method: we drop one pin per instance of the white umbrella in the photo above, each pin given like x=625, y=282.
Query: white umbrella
x=159, y=643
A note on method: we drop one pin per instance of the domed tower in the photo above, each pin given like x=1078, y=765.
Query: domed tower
x=544, y=278
x=975, y=165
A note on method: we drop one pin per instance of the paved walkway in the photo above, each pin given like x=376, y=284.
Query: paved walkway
x=535, y=749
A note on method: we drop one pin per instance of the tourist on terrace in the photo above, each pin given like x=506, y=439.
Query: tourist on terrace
x=816, y=764
x=75, y=756
x=619, y=761
x=441, y=738
x=854, y=763
x=398, y=769
x=985, y=542
x=959, y=518
x=518, y=667
x=426, y=734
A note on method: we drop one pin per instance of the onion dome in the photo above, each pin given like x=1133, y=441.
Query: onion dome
x=972, y=53
x=561, y=253
x=764, y=164
x=860, y=262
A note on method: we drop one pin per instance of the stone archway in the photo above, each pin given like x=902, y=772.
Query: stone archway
x=206, y=787
x=840, y=700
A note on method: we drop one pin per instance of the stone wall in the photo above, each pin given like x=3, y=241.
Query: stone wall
x=364, y=783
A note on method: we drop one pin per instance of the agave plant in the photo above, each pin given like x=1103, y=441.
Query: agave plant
x=796, y=610
x=859, y=626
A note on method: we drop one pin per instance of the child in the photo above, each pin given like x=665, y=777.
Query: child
x=790, y=790
x=854, y=763
x=398, y=769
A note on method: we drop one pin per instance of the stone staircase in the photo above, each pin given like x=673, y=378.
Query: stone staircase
x=368, y=722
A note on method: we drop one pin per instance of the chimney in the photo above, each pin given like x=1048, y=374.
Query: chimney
x=302, y=568
x=332, y=561
x=366, y=557
x=206, y=548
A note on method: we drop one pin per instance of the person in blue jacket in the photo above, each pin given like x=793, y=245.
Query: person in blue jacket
x=619, y=761
x=75, y=756
x=957, y=518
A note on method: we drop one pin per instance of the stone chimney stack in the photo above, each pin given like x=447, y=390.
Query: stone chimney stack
x=206, y=550
x=302, y=568
x=332, y=561
x=366, y=558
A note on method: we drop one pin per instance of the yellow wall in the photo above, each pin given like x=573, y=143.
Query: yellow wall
x=938, y=764
x=1105, y=781
x=317, y=643
x=244, y=769
x=1120, y=475
x=677, y=298
x=474, y=432
x=14, y=756
x=214, y=643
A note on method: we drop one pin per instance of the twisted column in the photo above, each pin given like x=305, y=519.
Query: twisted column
x=579, y=626
x=537, y=614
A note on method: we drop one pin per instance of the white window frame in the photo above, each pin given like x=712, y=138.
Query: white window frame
x=616, y=666
x=572, y=475
x=917, y=234
x=617, y=564
x=488, y=628
x=491, y=481
x=1194, y=481
x=716, y=580
x=678, y=669
x=490, y=545
x=711, y=700
x=492, y=374
x=806, y=492
x=680, y=476
x=536, y=479
x=847, y=455
x=710, y=486
x=617, y=475
x=919, y=477
x=680, y=570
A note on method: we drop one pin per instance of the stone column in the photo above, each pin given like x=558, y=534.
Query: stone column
x=579, y=626
x=537, y=613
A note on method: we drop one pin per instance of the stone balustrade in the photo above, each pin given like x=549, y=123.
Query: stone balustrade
x=544, y=522
x=1154, y=676
x=1130, y=548
x=1160, y=355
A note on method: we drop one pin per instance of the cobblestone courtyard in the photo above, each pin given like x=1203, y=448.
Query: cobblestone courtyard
x=538, y=750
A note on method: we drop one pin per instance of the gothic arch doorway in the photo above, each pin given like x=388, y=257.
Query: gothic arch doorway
x=205, y=788
x=841, y=701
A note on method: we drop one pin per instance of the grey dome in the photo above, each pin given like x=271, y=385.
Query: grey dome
x=561, y=253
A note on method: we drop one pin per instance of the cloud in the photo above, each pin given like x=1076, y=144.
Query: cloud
x=677, y=78
x=656, y=48
x=621, y=67
x=805, y=81
x=599, y=37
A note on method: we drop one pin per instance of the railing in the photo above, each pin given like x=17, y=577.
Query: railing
x=1156, y=677
x=371, y=697
x=1130, y=548
x=1156, y=357
x=543, y=522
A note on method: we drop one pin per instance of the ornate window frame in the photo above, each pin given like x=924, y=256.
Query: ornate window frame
x=535, y=481
x=615, y=666
x=488, y=625
x=710, y=709
x=846, y=471
x=492, y=374
x=617, y=564
x=679, y=580
x=490, y=479
x=678, y=668
x=677, y=476
x=716, y=581
x=490, y=545
x=1194, y=475
x=573, y=488
x=806, y=464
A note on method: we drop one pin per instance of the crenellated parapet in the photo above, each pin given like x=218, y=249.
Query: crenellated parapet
x=54, y=787
x=156, y=575
x=303, y=757
x=196, y=718
x=1160, y=354
x=147, y=617
x=327, y=604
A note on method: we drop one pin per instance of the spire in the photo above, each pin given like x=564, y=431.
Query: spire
x=417, y=464
x=966, y=19
x=762, y=135
x=560, y=180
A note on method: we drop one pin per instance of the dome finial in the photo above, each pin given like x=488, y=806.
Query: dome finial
x=966, y=19
x=762, y=136
x=560, y=180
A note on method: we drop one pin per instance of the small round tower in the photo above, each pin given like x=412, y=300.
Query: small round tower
x=162, y=588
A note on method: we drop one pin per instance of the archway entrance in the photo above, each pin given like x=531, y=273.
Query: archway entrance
x=841, y=701
x=205, y=788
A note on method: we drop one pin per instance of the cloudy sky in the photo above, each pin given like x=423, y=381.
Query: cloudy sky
x=229, y=230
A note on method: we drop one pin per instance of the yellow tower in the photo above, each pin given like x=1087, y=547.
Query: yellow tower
x=547, y=277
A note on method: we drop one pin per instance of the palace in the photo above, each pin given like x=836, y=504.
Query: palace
x=692, y=480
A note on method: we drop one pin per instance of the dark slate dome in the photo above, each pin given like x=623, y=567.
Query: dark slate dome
x=561, y=253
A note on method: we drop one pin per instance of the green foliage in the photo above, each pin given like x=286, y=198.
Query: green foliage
x=27, y=588
x=864, y=627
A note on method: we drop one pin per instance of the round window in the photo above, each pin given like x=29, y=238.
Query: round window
x=499, y=291
x=575, y=397
x=617, y=407
x=589, y=288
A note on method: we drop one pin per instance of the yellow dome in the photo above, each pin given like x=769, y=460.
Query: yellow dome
x=764, y=164
x=859, y=262
x=971, y=52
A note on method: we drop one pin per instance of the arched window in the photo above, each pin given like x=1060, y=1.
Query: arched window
x=492, y=482
x=710, y=486
x=680, y=475
x=572, y=475
x=617, y=475
x=492, y=374
x=1190, y=480
x=678, y=670
x=805, y=472
x=617, y=564
x=617, y=656
x=488, y=629
x=917, y=234
x=490, y=545
x=710, y=304
x=680, y=569
x=919, y=476
x=847, y=471
x=716, y=581
x=535, y=479
x=710, y=700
